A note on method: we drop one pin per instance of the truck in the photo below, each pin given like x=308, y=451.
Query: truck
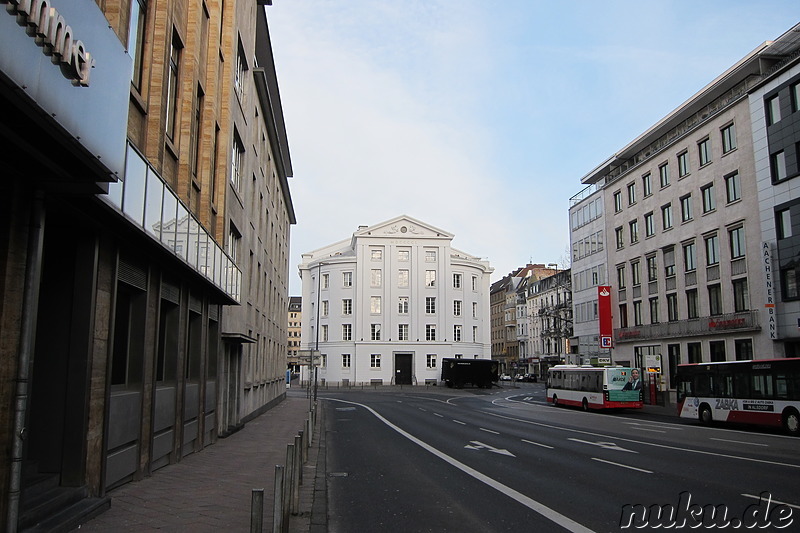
x=482, y=373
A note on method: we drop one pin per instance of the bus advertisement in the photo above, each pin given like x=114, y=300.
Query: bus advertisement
x=588, y=387
x=763, y=392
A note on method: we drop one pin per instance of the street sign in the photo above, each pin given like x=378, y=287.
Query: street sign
x=605, y=341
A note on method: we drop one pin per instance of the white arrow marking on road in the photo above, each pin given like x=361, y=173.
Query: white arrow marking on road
x=482, y=446
x=606, y=445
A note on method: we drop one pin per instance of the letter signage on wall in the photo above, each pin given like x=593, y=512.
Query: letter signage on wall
x=769, y=293
x=604, y=315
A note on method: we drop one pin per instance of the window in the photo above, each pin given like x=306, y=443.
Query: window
x=376, y=254
x=347, y=306
x=324, y=308
x=234, y=242
x=457, y=333
x=345, y=360
x=714, y=299
x=237, y=152
x=402, y=332
x=173, y=82
x=692, y=308
x=620, y=238
x=666, y=216
x=430, y=305
x=636, y=278
x=623, y=315
x=136, y=39
x=324, y=332
x=733, y=188
x=474, y=283
x=403, y=255
x=709, y=202
x=649, y=225
x=704, y=151
x=430, y=332
x=795, y=92
x=728, y=139
x=672, y=307
x=778, y=165
x=784, y=223
x=652, y=268
x=631, y=193
x=743, y=349
x=790, y=283
x=686, y=208
x=402, y=305
x=737, y=242
x=347, y=332
x=689, y=257
x=457, y=308
x=617, y=201
x=474, y=309
x=647, y=188
x=375, y=278
x=430, y=360
x=238, y=80
x=375, y=305
x=654, y=310
x=402, y=278
x=474, y=333
x=669, y=262
x=683, y=164
x=430, y=278
x=621, y=276
x=741, y=297
x=712, y=250
x=347, y=279
x=456, y=281
x=634, y=228
x=325, y=281
x=637, y=313
x=430, y=256
x=663, y=175
x=375, y=360
x=375, y=332
x=773, y=110
x=716, y=352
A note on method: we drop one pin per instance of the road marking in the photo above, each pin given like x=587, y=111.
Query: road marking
x=773, y=501
x=671, y=427
x=654, y=444
x=437, y=414
x=477, y=445
x=652, y=430
x=605, y=445
x=739, y=442
x=551, y=514
x=489, y=431
x=459, y=422
x=537, y=444
x=622, y=465
x=345, y=408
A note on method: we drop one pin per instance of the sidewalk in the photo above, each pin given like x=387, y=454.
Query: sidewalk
x=211, y=490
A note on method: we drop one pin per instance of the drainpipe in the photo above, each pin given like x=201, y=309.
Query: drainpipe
x=30, y=306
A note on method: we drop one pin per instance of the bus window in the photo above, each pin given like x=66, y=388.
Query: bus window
x=702, y=384
x=761, y=385
x=723, y=385
x=685, y=388
x=741, y=384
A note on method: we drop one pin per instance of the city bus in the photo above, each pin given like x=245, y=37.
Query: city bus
x=591, y=387
x=764, y=392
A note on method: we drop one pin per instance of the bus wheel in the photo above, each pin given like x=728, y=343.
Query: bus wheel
x=791, y=422
x=555, y=400
x=705, y=415
x=585, y=405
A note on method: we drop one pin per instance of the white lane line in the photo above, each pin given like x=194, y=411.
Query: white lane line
x=551, y=514
x=651, y=430
x=672, y=427
x=437, y=414
x=537, y=444
x=773, y=501
x=459, y=422
x=489, y=431
x=622, y=465
x=646, y=443
x=739, y=442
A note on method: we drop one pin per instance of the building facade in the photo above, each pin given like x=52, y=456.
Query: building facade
x=385, y=306
x=118, y=182
x=550, y=303
x=294, y=333
x=684, y=210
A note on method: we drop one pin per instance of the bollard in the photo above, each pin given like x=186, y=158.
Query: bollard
x=288, y=485
x=277, y=510
x=310, y=427
x=302, y=446
x=257, y=511
x=297, y=475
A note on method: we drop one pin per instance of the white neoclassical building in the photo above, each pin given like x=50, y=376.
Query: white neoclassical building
x=387, y=304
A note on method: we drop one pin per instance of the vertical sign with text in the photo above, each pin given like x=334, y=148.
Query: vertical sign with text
x=604, y=312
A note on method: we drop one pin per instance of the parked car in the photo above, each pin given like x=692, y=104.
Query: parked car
x=505, y=377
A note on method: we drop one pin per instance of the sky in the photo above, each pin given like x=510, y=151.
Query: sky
x=481, y=117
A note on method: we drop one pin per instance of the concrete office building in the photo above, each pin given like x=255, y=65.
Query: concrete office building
x=118, y=265
x=386, y=305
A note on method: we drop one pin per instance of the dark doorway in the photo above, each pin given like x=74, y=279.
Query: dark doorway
x=402, y=368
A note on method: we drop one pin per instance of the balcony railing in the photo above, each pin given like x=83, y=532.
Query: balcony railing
x=711, y=325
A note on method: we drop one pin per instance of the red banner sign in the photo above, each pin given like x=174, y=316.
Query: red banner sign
x=604, y=311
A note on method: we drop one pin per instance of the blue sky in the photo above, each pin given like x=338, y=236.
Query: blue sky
x=481, y=117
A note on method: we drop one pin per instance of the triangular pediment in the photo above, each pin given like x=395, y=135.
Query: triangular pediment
x=403, y=226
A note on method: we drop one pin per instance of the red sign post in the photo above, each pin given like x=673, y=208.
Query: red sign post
x=604, y=312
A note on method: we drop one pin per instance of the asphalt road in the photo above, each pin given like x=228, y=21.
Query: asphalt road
x=474, y=460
